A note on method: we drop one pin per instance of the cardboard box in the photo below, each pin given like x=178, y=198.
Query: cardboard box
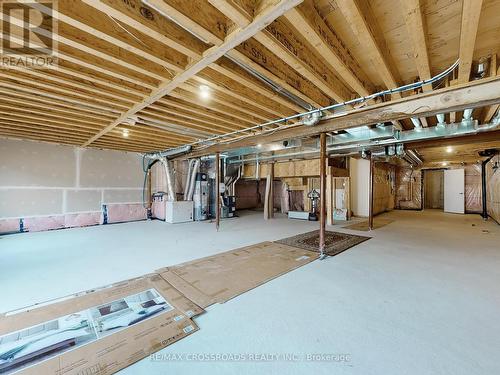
x=220, y=277
x=96, y=332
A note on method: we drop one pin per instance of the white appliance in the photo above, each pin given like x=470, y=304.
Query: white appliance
x=179, y=211
x=454, y=186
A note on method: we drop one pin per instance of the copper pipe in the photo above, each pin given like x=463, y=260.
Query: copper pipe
x=322, y=205
x=217, y=190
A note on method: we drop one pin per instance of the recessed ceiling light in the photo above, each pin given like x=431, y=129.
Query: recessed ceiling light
x=204, y=91
x=449, y=149
x=125, y=133
x=444, y=164
x=259, y=145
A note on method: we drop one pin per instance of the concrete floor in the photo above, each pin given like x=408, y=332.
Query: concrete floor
x=421, y=297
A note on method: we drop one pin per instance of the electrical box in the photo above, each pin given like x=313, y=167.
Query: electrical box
x=179, y=211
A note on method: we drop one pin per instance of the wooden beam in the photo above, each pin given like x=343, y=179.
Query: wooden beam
x=415, y=24
x=490, y=111
x=278, y=38
x=455, y=98
x=471, y=11
x=232, y=40
x=359, y=16
x=307, y=21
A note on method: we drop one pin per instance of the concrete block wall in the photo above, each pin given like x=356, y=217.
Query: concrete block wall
x=40, y=179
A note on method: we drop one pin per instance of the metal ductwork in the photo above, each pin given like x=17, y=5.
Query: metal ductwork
x=169, y=153
x=193, y=168
x=311, y=119
x=169, y=178
x=369, y=139
x=274, y=86
x=192, y=179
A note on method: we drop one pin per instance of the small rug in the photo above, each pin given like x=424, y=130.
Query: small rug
x=335, y=242
x=363, y=225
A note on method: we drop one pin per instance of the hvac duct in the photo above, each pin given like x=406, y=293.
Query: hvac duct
x=188, y=178
x=169, y=178
x=192, y=180
x=169, y=153
x=312, y=118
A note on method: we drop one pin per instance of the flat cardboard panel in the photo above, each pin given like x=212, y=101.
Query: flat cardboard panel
x=220, y=277
x=83, y=200
x=26, y=163
x=28, y=202
x=110, y=169
x=96, y=332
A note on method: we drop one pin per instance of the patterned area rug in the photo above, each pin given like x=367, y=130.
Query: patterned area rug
x=335, y=242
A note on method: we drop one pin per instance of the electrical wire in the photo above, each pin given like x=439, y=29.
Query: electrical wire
x=363, y=100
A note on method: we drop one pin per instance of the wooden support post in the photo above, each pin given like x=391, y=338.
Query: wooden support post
x=269, y=194
x=217, y=190
x=370, y=213
x=322, y=180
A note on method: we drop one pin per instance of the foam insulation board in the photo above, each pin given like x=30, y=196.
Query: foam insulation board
x=220, y=277
x=83, y=200
x=27, y=163
x=104, y=168
x=96, y=332
x=29, y=202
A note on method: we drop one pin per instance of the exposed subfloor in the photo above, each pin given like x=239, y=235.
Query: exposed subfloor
x=421, y=297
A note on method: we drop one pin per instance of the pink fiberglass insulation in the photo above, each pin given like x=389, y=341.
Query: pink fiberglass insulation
x=9, y=226
x=38, y=224
x=82, y=219
x=158, y=210
x=119, y=213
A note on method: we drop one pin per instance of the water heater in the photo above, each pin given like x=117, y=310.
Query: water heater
x=200, y=197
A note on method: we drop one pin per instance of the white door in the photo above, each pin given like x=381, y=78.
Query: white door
x=454, y=184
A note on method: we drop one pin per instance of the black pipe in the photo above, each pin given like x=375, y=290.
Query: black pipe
x=484, y=214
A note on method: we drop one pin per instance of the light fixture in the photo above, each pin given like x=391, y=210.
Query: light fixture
x=259, y=145
x=125, y=133
x=444, y=164
x=204, y=91
x=449, y=149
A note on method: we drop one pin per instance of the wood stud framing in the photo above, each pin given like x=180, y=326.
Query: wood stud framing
x=147, y=59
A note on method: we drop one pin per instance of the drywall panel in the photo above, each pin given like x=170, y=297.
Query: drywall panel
x=360, y=186
x=27, y=202
x=123, y=196
x=27, y=163
x=83, y=200
x=110, y=169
